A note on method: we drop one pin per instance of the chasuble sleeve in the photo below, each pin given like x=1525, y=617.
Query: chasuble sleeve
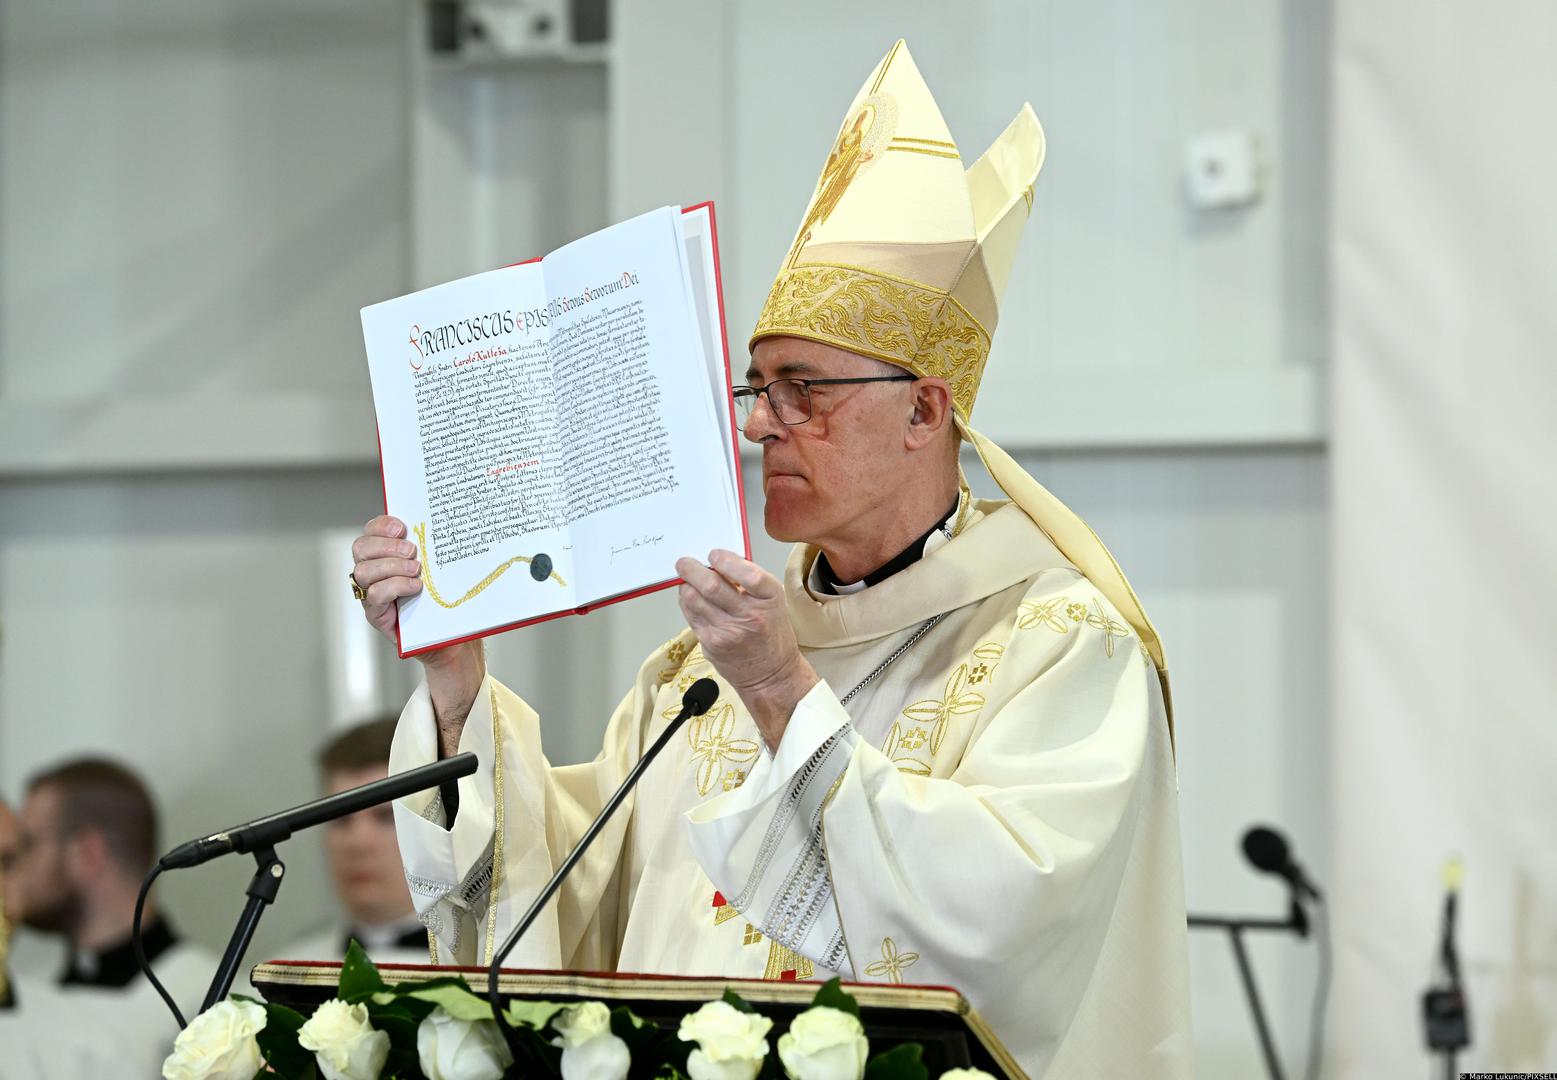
x=518, y=818
x=1035, y=874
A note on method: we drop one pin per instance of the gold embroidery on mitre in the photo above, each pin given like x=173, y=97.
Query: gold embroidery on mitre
x=864, y=135
x=884, y=316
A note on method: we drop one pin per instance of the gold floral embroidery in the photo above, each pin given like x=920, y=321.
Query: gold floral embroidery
x=1077, y=612
x=786, y=965
x=901, y=745
x=956, y=701
x=892, y=962
x=712, y=745
x=1112, y=628
x=890, y=318
x=1032, y=613
x=988, y=656
x=751, y=936
x=689, y=673
x=675, y=658
x=733, y=779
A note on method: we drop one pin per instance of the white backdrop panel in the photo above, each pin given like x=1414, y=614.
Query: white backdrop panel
x=1445, y=538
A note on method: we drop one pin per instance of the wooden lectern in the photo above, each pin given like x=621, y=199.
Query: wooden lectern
x=937, y=1017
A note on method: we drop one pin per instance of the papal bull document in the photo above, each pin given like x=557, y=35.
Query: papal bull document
x=557, y=433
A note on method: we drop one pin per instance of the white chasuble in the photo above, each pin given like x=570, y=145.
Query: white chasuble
x=984, y=801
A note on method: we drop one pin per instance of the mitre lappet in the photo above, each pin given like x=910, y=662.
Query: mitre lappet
x=903, y=255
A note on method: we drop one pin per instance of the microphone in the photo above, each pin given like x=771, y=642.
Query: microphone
x=698, y=699
x=1445, y=1011
x=270, y=831
x=1268, y=850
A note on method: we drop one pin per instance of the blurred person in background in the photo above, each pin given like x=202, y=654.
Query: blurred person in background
x=364, y=859
x=8, y=910
x=85, y=838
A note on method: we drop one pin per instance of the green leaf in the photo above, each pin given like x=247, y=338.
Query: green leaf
x=533, y=1014
x=390, y=1004
x=737, y=1002
x=457, y=1001
x=833, y=995
x=359, y=978
x=278, y=1042
x=899, y=1063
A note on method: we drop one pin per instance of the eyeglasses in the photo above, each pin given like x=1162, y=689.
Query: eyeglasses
x=790, y=399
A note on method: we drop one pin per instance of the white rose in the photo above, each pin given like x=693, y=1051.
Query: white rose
x=731, y=1045
x=824, y=1043
x=451, y=1049
x=218, y=1044
x=589, y=1050
x=966, y=1074
x=344, y=1042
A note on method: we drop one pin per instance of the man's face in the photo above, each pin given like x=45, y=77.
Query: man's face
x=41, y=877
x=821, y=477
x=364, y=856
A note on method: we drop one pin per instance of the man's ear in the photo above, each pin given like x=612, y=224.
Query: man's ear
x=87, y=856
x=932, y=412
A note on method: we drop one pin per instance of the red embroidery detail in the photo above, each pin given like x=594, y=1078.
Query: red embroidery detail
x=719, y=900
x=787, y=976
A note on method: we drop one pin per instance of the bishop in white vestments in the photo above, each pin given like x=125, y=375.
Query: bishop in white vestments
x=942, y=751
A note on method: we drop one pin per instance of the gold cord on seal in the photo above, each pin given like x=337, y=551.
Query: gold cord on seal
x=478, y=587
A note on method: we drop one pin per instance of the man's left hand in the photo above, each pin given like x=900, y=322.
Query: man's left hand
x=736, y=609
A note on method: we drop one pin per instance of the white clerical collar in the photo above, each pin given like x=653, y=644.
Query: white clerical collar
x=938, y=537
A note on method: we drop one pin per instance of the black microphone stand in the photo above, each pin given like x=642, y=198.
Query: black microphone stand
x=698, y=699
x=260, y=838
x=1296, y=922
x=262, y=890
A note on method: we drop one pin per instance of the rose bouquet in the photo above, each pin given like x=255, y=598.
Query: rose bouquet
x=438, y=1029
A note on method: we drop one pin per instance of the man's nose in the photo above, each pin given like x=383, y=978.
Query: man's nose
x=762, y=423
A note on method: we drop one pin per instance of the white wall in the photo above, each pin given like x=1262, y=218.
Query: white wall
x=1162, y=370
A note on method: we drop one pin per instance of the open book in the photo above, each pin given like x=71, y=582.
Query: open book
x=556, y=434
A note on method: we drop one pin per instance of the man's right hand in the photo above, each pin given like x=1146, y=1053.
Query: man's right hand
x=385, y=567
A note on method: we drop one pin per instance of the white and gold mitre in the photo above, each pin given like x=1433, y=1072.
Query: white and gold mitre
x=903, y=256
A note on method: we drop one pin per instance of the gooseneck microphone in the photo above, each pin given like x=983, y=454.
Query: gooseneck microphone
x=261, y=837
x=271, y=830
x=698, y=699
x=1268, y=850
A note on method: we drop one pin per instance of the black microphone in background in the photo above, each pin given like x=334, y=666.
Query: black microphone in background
x=271, y=830
x=1268, y=850
x=1445, y=1012
x=698, y=699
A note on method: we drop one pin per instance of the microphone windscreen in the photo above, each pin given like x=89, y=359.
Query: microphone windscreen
x=1266, y=849
x=700, y=697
